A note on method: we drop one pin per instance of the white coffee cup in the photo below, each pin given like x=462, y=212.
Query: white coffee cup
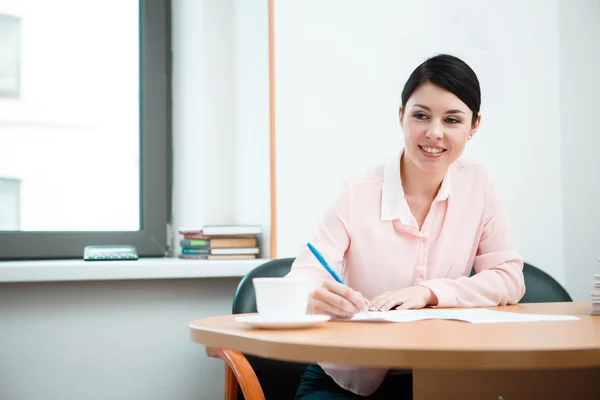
x=281, y=298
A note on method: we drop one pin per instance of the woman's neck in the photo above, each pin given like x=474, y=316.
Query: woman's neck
x=416, y=182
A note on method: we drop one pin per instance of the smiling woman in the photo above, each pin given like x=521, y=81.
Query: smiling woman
x=401, y=241
x=439, y=113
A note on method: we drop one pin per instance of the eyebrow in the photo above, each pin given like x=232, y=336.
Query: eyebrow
x=447, y=112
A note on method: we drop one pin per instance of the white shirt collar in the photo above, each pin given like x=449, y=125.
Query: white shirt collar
x=393, y=202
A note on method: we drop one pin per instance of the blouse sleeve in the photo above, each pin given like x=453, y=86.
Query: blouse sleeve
x=499, y=268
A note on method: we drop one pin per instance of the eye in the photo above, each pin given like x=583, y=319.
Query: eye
x=420, y=115
x=453, y=120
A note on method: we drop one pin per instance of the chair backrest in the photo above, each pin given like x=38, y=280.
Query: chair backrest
x=279, y=379
x=540, y=287
x=244, y=300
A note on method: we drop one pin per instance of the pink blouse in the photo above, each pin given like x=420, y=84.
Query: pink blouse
x=371, y=234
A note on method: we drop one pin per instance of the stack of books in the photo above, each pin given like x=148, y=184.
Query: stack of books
x=596, y=296
x=220, y=242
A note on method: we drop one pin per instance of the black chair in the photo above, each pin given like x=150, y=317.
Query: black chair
x=541, y=287
x=249, y=377
x=244, y=300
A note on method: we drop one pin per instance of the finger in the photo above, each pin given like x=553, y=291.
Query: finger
x=365, y=302
x=375, y=304
x=320, y=307
x=348, y=293
x=359, y=301
x=375, y=301
x=409, y=305
x=324, y=295
x=412, y=305
x=379, y=301
x=391, y=303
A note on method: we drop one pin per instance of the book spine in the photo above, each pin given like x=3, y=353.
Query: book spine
x=191, y=250
x=194, y=243
x=194, y=256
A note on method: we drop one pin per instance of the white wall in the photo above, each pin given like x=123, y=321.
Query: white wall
x=109, y=340
x=579, y=88
x=188, y=115
x=251, y=146
x=339, y=76
x=221, y=114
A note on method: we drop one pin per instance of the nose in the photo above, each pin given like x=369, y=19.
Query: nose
x=435, y=131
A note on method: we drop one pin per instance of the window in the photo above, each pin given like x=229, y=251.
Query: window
x=85, y=131
x=10, y=32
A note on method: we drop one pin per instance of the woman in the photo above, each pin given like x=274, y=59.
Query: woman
x=408, y=232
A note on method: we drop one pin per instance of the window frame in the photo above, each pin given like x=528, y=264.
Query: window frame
x=155, y=159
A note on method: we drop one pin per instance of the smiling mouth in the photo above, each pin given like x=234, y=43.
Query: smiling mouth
x=432, y=150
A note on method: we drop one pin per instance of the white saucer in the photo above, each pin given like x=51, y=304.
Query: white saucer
x=304, y=321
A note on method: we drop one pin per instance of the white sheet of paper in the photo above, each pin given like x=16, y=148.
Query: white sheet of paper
x=472, y=315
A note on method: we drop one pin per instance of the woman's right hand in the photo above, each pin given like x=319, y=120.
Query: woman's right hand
x=337, y=300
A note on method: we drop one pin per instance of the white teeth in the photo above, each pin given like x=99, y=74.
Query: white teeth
x=432, y=150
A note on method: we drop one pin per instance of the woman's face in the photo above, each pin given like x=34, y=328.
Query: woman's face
x=437, y=125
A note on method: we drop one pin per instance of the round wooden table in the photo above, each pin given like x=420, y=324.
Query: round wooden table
x=514, y=360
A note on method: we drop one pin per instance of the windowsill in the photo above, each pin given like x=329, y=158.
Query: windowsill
x=144, y=268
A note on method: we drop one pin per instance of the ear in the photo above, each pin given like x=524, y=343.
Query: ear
x=400, y=115
x=475, y=125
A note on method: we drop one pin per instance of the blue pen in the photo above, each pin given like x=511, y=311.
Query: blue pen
x=329, y=269
x=324, y=263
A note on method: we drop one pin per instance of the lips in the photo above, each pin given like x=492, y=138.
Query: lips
x=432, y=150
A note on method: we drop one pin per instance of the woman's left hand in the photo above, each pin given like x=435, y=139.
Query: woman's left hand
x=412, y=297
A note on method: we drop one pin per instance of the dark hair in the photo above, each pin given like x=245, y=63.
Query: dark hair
x=450, y=73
